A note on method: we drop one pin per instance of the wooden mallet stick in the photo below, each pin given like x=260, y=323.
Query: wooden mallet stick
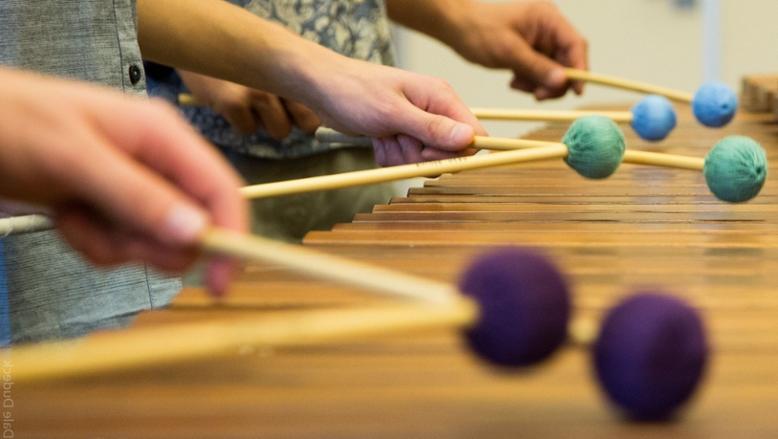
x=328, y=135
x=114, y=351
x=184, y=342
x=438, y=305
x=626, y=84
x=512, y=323
x=187, y=100
x=547, y=115
x=535, y=151
x=290, y=256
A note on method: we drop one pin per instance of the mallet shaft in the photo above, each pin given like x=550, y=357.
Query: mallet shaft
x=626, y=84
x=113, y=351
x=424, y=169
x=188, y=100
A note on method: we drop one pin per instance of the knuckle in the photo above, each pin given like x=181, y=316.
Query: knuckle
x=445, y=85
x=546, y=6
x=434, y=126
x=503, y=50
x=234, y=106
x=261, y=97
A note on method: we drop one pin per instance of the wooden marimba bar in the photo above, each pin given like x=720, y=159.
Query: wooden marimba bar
x=641, y=227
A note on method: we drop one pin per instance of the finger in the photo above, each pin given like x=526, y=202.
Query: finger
x=543, y=93
x=580, y=60
x=90, y=238
x=219, y=272
x=536, y=68
x=156, y=137
x=379, y=152
x=437, y=154
x=105, y=244
x=438, y=98
x=522, y=85
x=273, y=115
x=573, y=50
x=393, y=152
x=435, y=130
x=410, y=148
x=303, y=117
x=240, y=117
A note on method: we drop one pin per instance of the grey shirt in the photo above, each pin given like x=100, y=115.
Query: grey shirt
x=52, y=292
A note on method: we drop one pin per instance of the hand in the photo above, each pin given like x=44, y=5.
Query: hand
x=126, y=179
x=532, y=38
x=410, y=117
x=248, y=109
x=226, y=41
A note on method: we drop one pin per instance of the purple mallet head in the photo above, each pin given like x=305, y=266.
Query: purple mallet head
x=650, y=355
x=524, y=306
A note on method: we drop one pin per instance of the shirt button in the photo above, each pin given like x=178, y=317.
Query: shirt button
x=135, y=74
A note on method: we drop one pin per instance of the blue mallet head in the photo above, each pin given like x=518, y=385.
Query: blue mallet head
x=653, y=118
x=714, y=104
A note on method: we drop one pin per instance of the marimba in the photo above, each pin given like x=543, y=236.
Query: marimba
x=642, y=226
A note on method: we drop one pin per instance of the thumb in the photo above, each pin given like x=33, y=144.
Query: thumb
x=436, y=131
x=536, y=68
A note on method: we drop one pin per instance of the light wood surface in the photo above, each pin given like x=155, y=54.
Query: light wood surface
x=759, y=93
x=642, y=227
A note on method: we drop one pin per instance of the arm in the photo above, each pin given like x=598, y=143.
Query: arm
x=217, y=39
x=531, y=38
x=126, y=179
x=248, y=109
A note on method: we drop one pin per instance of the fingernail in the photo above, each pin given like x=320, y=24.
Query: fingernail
x=556, y=78
x=218, y=274
x=461, y=134
x=185, y=224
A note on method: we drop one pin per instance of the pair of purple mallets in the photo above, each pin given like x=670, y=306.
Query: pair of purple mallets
x=649, y=356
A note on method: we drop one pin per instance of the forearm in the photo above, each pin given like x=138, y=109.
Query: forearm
x=440, y=19
x=218, y=39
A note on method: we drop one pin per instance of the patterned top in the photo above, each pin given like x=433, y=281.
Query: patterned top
x=355, y=28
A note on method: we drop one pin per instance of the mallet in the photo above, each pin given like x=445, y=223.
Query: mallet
x=652, y=118
x=514, y=312
x=735, y=169
x=593, y=147
x=714, y=104
x=517, y=321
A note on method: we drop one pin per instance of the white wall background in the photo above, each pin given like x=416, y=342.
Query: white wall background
x=652, y=40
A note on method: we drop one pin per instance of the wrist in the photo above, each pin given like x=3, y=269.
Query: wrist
x=306, y=73
x=456, y=21
x=447, y=21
